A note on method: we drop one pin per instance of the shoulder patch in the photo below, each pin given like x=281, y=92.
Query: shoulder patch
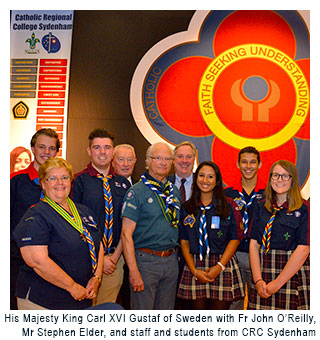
x=189, y=220
x=130, y=194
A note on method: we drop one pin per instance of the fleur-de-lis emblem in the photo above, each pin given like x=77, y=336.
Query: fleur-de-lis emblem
x=32, y=41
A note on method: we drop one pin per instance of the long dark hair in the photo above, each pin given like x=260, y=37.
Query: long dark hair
x=218, y=197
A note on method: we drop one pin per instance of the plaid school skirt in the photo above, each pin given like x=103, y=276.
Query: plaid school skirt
x=294, y=295
x=227, y=286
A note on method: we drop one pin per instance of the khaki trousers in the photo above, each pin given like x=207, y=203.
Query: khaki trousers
x=110, y=285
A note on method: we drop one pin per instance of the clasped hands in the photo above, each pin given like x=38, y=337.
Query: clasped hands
x=208, y=275
x=266, y=290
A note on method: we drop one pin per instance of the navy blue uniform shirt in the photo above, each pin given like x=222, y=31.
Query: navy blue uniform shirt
x=42, y=225
x=289, y=229
x=233, y=192
x=218, y=236
x=88, y=190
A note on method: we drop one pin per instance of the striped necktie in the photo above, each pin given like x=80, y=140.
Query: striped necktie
x=182, y=191
x=203, y=233
x=267, y=231
x=245, y=217
x=108, y=207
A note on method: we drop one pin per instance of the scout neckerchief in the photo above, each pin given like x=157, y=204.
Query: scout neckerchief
x=168, y=206
x=76, y=222
x=245, y=218
x=36, y=180
x=108, y=208
x=203, y=233
x=267, y=231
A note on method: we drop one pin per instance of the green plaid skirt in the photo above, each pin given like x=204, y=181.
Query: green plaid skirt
x=227, y=286
x=294, y=295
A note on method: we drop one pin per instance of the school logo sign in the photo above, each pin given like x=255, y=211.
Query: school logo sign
x=233, y=79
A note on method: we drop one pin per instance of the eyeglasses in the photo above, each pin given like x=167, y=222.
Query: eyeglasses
x=122, y=160
x=284, y=177
x=161, y=159
x=54, y=179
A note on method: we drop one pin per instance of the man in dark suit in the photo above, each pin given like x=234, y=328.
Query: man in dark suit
x=183, y=162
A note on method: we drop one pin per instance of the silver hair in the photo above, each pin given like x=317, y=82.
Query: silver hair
x=127, y=146
x=150, y=149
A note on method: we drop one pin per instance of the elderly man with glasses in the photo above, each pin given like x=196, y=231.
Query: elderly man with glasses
x=150, y=233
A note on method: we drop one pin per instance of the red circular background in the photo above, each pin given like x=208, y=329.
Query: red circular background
x=230, y=114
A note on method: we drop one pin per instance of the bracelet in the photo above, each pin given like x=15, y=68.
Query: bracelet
x=258, y=281
x=97, y=277
x=221, y=265
x=195, y=273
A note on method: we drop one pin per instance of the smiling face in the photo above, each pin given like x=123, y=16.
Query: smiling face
x=44, y=148
x=123, y=161
x=248, y=165
x=159, y=162
x=100, y=153
x=57, y=184
x=183, y=161
x=280, y=186
x=206, y=179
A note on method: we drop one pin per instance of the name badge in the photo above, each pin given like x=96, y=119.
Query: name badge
x=215, y=222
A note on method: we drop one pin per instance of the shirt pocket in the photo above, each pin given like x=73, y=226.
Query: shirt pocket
x=288, y=230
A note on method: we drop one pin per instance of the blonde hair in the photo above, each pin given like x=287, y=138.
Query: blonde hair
x=294, y=197
x=54, y=163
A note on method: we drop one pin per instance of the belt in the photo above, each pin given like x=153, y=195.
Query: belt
x=163, y=253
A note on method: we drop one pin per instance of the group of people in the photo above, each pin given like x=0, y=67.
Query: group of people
x=179, y=241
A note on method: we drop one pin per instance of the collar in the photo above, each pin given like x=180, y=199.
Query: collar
x=149, y=177
x=93, y=172
x=260, y=185
x=188, y=179
x=30, y=171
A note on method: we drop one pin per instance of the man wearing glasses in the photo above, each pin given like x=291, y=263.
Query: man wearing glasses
x=149, y=236
x=124, y=160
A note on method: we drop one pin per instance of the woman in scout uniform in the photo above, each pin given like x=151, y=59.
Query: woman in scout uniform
x=280, y=244
x=60, y=244
x=210, y=233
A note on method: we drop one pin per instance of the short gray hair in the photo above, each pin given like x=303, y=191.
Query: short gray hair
x=126, y=146
x=152, y=146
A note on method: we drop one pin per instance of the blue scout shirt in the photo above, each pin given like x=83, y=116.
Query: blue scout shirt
x=152, y=230
x=289, y=229
x=88, y=190
x=233, y=192
x=219, y=235
x=42, y=225
x=24, y=193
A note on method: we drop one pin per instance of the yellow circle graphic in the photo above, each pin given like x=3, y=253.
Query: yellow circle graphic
x=233, y=55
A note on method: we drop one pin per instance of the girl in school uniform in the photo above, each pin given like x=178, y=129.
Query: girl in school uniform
x=280, y=244
x=210, y=232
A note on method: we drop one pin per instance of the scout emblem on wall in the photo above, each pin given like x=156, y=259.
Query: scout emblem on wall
x=233, y=79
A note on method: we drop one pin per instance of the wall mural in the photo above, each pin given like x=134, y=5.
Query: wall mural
x=233, y=79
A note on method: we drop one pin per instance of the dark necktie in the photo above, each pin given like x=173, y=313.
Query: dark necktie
x=182, y=191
